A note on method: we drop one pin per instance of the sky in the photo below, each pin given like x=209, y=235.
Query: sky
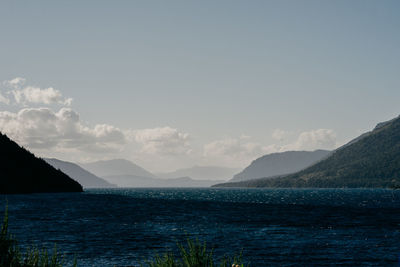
x=172, y=84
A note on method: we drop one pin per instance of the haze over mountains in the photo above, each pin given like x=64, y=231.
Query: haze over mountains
x=202, y=173
x=22, y=172
x=124, y=173
x=138, y=181
x=370, y=160
x=85, y=178
x=115, y=167
x=279, y=164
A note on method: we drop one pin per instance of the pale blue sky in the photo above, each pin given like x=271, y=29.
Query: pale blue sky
x=216, y=70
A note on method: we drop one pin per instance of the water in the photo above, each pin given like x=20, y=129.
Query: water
x=296, y=227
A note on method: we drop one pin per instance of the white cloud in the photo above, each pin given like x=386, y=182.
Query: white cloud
x=4, y=99
x=280, y=134
x=63, y=133
x=314, y=139
x=68, y=101
x=240, y=151
x=15, y=83
x=38, y=95
x=24, y=95
x=235, y=151
x=41, y=128
x=163, y=141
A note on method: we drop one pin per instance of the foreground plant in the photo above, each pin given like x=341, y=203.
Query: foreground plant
x=11, y=256
x=194, y=254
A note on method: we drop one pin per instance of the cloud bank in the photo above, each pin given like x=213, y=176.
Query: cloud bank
x=15, y=83
x=163, y=141
x=42, y=128
x=235, y=151
x=37, y=95
x=25, y=95
x=241, y=151
x=279, y=134
x=314, y=139
x=4, y=99
x=45, y=122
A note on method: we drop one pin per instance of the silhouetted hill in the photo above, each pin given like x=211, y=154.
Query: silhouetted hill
x=22, y=172
x=371, y=160
x=280, y=164
x=202, y=173
x=85, y=178
x=138, y=181
x=116, y=167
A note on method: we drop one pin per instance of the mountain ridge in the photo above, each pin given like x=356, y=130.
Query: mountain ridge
x=370, y=160
x=280, y=163
x=103, y=168
x=138, y=181
x=84, y=177
x=22, y=172
x=201, y=173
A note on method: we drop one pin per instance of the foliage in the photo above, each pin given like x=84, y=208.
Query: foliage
x=194, y=254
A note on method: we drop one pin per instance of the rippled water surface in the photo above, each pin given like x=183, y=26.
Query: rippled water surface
x=288, y=227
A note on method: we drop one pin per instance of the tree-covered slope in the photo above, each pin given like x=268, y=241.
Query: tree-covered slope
x=21, y=172
x=370, y=161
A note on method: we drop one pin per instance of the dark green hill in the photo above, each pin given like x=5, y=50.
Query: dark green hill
x=21, y=172
x=372, y=160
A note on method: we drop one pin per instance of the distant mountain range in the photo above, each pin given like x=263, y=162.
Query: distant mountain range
x=104, y=168
x=85, y=178
x=370, y=160
x=139, y=181
x=124, y=173
x=22, y=172
x=202, y=173
x=279, y=164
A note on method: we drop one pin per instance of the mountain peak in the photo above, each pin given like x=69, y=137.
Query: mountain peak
x=111, y=167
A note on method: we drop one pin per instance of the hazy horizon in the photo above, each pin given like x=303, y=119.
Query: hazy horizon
x=178, y=84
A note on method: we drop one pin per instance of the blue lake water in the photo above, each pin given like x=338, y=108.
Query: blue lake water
x=284, y=227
